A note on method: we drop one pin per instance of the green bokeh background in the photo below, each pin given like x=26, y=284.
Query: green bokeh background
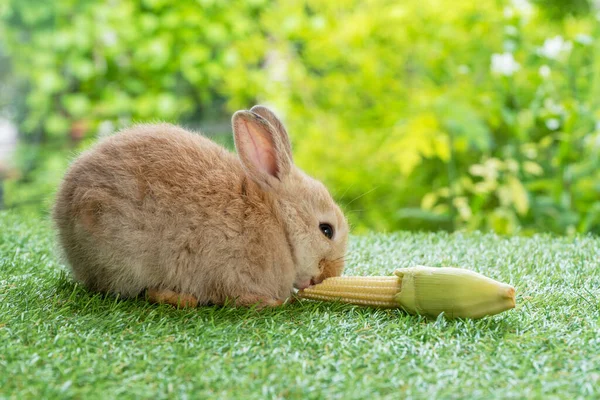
x=417, y=114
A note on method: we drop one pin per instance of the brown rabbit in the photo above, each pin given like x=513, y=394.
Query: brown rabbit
x=161, y=209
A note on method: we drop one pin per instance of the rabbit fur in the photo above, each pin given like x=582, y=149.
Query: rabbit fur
x=158, y=207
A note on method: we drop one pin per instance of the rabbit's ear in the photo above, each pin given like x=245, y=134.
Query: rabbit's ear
x=278, y=125
x=260, y=149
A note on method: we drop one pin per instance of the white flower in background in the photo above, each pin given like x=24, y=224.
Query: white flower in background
x=277, y=65
x=552, y=124
x=592, y=140
x=554, y=47
x=598, y=125
x=463, y=69
x=511, y=30
x=105, y=128
x=554, y=108
x=544, y=71
x=8, y=142
x=109, y=38
x=583, y=39
x=554, y=111
x=508, y=12
x=504, y=64
x=522, y=8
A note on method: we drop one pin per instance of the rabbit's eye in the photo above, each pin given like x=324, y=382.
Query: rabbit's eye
x=327, y=230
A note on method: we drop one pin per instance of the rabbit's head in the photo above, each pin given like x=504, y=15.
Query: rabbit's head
x=315, y=227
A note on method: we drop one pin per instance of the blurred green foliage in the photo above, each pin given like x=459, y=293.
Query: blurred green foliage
x=417, y=114
x=477, y=116
x=86, y=61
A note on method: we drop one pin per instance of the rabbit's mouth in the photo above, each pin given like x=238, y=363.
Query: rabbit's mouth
x=328, y=268
x=304, y=284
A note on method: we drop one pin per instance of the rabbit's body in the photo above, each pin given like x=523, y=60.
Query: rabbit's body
x=157, y=207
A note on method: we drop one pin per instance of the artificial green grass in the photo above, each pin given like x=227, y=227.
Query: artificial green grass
x=59, y=341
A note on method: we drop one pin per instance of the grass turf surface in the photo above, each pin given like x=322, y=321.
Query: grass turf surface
x=59, y=341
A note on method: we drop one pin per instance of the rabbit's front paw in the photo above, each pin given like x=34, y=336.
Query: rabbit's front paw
x=165, y=296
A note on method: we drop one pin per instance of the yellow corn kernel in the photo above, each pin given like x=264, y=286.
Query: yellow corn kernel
x=368, y=291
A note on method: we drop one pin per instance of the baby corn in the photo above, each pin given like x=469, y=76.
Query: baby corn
x=377, y=291
x=458, y=293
